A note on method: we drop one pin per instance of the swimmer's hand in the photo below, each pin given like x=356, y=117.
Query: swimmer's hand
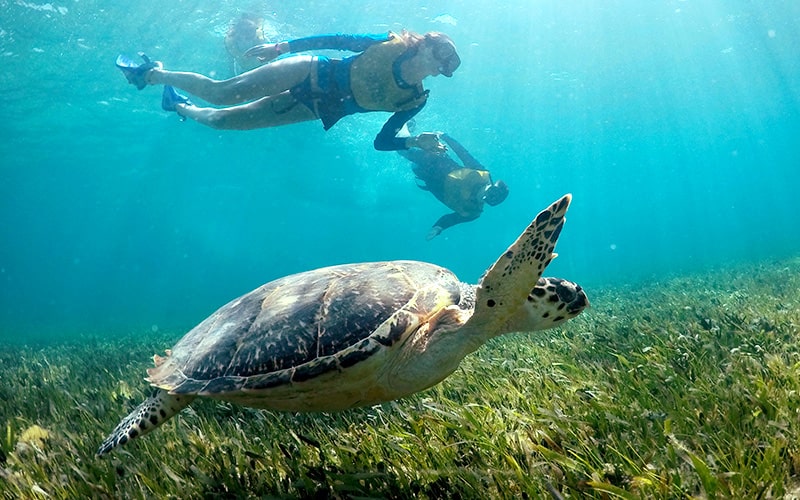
x=428, y=141
x=433, y=233
x=267, y=51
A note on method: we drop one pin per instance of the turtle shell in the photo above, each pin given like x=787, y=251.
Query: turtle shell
x=303, y=325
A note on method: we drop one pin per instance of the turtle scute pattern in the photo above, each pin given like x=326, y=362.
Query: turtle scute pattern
x=301, y=326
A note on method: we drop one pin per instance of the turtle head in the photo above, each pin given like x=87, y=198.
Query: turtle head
x=550, y=303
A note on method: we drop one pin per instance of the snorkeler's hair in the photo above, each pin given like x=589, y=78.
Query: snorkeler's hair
x=439, y=37
x=411, y=38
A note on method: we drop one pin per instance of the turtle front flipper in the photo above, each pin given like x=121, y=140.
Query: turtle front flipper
x=512, y=297
x=154, y=411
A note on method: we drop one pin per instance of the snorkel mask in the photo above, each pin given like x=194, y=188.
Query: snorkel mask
x=496, y=193
x=444, y=51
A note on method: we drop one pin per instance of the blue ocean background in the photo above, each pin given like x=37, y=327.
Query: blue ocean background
x=674, y=124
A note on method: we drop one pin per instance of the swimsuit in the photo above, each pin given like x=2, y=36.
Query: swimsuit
x=334, y=99
x=361, y=83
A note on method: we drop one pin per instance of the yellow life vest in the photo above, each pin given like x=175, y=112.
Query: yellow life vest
x=372, y=79
x=462, y=191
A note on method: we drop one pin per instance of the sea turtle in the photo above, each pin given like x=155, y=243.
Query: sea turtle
x=356, y=334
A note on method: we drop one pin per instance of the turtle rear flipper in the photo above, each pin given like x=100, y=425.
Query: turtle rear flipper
x=154, y=411
x=511, y=296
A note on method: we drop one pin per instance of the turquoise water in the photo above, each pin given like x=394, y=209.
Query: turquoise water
x=674, y=124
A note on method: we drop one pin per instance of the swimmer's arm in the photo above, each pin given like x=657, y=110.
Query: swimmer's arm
x=355, y=43
x=446, y=221
x=352, y=43
x=387, y=139
x=466, y=158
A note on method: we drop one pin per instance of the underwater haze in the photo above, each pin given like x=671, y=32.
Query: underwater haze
x=674, y=124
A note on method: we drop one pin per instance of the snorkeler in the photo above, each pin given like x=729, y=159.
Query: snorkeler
x=244, y=33
x=386, y=74
x=462, y=188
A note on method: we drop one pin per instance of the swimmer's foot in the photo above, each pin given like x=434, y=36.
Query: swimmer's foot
x=170, y=98
x=135, y=73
